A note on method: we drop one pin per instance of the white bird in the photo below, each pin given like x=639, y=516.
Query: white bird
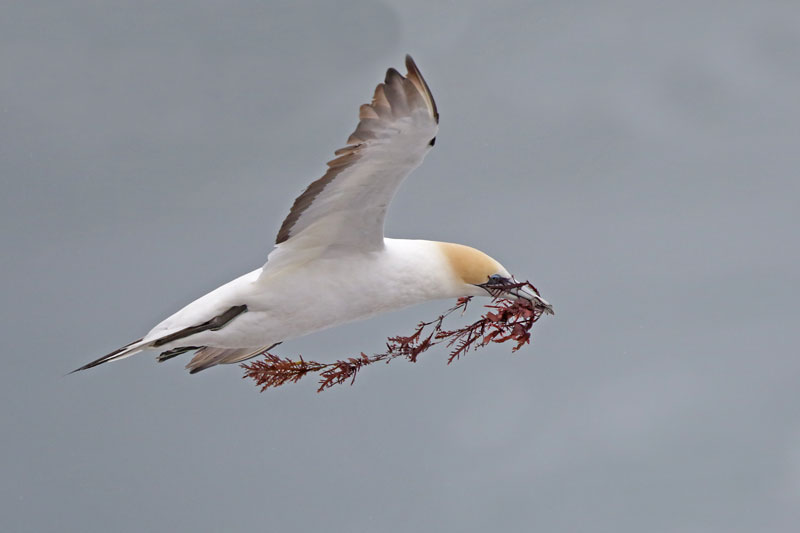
x=331, y=263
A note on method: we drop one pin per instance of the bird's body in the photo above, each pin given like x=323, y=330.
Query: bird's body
x=331, y=263
x=325, y=292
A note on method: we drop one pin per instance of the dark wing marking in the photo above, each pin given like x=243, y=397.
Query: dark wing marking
x=169, y=354
x=214, y=324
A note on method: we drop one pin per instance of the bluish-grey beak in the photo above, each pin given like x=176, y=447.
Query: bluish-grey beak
x=527, y=294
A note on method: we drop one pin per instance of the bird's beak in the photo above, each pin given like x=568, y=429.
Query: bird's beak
x=526, y=293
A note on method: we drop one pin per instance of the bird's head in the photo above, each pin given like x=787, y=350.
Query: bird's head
x=477, y=274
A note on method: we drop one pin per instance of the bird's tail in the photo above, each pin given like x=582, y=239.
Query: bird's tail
x=121, y=353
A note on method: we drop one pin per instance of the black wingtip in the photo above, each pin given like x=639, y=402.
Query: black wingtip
x=412, y=68
x=106, y=358
x=391, y=75
x=93, y=364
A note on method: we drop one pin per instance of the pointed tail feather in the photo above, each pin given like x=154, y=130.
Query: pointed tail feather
x=122, y=353
x=214, y=324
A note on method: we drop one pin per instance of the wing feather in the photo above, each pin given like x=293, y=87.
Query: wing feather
x=347, y=206
x=208, y=356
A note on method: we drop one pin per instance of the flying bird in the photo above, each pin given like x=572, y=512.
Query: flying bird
x=331, y=263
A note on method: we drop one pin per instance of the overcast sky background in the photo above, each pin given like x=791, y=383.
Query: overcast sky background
x=637, y=161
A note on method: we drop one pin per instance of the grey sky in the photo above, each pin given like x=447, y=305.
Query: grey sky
x=637, y=161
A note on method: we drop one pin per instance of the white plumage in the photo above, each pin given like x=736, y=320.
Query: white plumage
x=331, y=263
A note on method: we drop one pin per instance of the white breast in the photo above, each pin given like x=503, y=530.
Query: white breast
x=336, y=289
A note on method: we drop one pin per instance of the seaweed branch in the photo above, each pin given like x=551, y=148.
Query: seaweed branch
x=505, y=321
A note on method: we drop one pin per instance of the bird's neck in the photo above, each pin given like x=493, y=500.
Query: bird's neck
x=420, y=271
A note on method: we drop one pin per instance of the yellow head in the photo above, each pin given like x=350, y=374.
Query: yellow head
x=480, y=275
x=469, y=265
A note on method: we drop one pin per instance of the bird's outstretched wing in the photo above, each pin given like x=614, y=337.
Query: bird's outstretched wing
x=346, y=207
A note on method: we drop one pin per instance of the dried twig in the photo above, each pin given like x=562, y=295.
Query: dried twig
x=508, y=320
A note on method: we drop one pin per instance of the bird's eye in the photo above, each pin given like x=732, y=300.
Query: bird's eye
x=496, y=278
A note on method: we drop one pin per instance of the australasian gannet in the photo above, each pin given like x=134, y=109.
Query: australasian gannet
x=331, y=263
